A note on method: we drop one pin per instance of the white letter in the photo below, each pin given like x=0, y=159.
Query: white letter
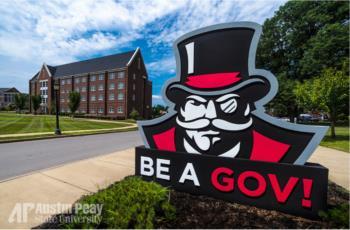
x=189, y=174
x=148, y=166
x=161, y=169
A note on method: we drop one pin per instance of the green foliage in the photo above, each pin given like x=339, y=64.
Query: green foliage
x=134, y=114
x=284, y=104
x=301, y=40
x=338, y=215
x=130, y=203
x=20, y=101
x=329, y=92
x=74, y=101
x=328, y=48
x=158, y=110
x=36, y=100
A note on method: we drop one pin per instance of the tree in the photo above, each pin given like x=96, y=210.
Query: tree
x=328, y=92
x=20, y=101
x=159, y=110
x=36, y=100
x=74, y=101
x=329, y=48
x=299, y=42
x=134, y=114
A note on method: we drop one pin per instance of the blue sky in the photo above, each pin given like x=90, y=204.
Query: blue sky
x=63, y=31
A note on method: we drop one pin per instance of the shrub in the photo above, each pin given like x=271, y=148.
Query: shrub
x=338, y=215
x=134, y=114
x=130, y=203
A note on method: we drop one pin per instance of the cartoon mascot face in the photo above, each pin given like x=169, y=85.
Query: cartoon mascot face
x=216, y=102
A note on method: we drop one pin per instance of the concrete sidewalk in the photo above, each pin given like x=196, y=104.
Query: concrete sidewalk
x=67, y=183
x=336, y=161
x=63, y=184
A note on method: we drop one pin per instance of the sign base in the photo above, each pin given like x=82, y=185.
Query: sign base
x=295, y=189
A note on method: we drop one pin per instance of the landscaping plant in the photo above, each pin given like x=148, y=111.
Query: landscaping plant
x=130, y=203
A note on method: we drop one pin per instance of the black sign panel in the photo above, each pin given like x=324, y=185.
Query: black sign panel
x=298, y=190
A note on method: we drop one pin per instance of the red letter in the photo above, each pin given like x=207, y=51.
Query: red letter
x=283, y=195
x=227, y=182
x=252, y=193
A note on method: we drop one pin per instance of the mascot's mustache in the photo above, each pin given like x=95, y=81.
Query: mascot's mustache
x=218, y=123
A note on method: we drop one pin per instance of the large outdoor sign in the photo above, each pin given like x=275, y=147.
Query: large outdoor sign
x=217, y=139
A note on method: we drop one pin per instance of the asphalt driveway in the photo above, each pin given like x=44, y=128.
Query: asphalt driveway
x=23, y=157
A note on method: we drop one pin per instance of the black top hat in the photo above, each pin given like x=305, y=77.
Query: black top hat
x=216, y=62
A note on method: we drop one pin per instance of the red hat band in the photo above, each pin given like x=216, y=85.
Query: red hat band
x=212, y=81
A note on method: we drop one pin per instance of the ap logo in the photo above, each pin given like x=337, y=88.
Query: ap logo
x=216, y=102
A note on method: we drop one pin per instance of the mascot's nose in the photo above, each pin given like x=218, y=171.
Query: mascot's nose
x=210, y=112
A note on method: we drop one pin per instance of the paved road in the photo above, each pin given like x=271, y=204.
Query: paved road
x=23, y=157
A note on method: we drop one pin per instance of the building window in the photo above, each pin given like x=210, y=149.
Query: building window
x=100, y=97
x=77, y=89
x=92, y=88
x=83, y=98
x=67, y=91
x=111, y=76
x=82, y=111
x=77, y=80
x=134, y=76
x=68, y=81
x=83, y=89
x=120, y=96
x=93, y=78
x=133, y=86
x=62, y=99
x=100, y=110
x=62, y=91
x=62, y=110
x=111, y=85
x=83, y=79
x=92, y=110
x=111, y=97
x=93, y=98
x=43, y=83
x=133, y=97
x=120, y=109
x=101, y=77
x=120, y=85
x=121, y=74
x=111, y=109
x=63, y=82
x=100, y=87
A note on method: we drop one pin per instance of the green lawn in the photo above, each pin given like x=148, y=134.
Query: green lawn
x=341, y=142
x=12, y=123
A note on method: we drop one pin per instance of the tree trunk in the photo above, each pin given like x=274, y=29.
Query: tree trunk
x=333, y=127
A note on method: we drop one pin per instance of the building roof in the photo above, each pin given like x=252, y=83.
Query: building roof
x=115, y=61
x=5, y=90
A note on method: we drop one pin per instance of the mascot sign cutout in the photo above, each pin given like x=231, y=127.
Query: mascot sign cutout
x=217, y=140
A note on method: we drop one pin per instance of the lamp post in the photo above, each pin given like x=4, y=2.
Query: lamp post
x=56, y=87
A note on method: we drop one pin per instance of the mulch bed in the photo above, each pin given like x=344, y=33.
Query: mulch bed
x=205, y=212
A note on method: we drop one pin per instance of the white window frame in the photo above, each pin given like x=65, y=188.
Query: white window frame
x=120, y=96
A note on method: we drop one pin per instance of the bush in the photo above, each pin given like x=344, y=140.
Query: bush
x=135, y=115
x=130, y=203
x=339, y=215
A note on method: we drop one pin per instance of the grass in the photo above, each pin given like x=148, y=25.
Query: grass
x=12, y=124
x=341, y=142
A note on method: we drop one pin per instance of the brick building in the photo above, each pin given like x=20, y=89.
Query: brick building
x=110, y=86
x=7, y=96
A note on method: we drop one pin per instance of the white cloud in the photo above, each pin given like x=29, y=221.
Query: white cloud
x=156, y=97
x=165, y=65
x=61, y=31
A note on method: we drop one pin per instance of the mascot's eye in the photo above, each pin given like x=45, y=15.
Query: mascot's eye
x=229, y=106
